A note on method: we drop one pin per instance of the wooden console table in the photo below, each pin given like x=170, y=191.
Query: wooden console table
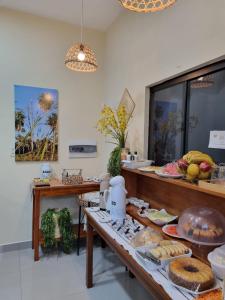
x=56, y=189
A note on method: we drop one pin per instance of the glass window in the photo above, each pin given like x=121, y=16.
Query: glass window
x=167, y=115
x=206, y=111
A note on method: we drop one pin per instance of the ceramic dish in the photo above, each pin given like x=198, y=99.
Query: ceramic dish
x=166, y=175
x=171, y=230
x=150, y=169
x=160, y=217
x=217, y=261
x=143, y=213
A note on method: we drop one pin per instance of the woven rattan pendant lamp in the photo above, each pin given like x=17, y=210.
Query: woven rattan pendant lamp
x=80, y=57
x=146, y=6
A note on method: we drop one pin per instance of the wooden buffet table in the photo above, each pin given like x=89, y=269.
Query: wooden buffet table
x=154, y=289
x=56, y=189
x=173, y=195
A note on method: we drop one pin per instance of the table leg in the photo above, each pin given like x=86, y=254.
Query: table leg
x=36, y=225
x=33, y=200
x=78, y=232
x=89, y=256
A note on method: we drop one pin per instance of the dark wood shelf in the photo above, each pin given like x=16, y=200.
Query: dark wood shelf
x=200, y=252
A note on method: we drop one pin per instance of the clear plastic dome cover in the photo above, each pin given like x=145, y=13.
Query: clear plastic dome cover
x=202, y=225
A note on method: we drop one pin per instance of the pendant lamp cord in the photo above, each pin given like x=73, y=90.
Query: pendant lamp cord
x=82, y=20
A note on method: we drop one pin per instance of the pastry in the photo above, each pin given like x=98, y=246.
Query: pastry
x=208, y=233
x=213, y=295
x=146, y=237
x=168, y=249
x=191, y=273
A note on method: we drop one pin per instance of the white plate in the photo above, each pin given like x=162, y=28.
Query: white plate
x=104, y=219
x=169, y=234
x=148, y=169
x=160, y=222
x=216, y=286
x=94, y=209
x=165, y=175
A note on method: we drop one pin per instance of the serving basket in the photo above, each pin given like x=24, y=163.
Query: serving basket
x=72, y=176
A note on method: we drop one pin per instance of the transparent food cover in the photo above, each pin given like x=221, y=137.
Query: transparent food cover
x=202, y=225
x=146, y=237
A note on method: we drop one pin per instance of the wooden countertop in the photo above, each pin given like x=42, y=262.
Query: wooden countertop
x=177, y=182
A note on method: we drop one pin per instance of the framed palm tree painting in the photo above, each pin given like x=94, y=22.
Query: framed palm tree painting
x=36, y=124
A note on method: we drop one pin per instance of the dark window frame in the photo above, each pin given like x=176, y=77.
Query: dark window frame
x=185, y=78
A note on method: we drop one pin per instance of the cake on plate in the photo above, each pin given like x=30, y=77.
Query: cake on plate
x=191, y=274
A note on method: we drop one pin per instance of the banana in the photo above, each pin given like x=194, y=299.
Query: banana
x=190, y=154
x=196, y=157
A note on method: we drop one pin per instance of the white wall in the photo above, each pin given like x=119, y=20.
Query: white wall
x=142, y=49
x=32, y=51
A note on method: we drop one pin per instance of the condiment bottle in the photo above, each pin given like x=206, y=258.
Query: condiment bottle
x=129, y=156
x=135, y=156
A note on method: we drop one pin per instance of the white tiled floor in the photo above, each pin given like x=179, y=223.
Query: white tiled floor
x=63, y=278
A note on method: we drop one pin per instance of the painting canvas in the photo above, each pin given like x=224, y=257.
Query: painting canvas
x=36, y=124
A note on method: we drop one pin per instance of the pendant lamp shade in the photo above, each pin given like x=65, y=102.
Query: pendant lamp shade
x=145, y=6
x=81, y=58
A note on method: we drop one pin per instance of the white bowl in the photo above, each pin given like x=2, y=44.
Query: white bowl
x=218, y=269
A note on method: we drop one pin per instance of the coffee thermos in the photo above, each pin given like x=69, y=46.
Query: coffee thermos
x=104, y=185
x=115, y=199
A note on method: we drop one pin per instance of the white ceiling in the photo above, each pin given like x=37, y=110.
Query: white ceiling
x=99, y=14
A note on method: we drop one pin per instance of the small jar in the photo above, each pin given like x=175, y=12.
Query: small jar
x=124, y=152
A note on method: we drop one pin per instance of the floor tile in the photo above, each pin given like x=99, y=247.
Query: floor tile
x=9, y=262
x=122, y=288
x=51, y=278
x=10, y=288
x=62, y=277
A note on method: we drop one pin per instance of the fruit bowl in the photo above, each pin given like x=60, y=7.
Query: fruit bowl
x=196, y=165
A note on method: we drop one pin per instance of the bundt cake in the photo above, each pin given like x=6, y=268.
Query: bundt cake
x=191, y=273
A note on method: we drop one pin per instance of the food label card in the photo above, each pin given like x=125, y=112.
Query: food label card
x=217, y=139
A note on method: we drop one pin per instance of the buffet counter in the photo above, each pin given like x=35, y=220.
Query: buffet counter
x=175, y=195
x=176, y=266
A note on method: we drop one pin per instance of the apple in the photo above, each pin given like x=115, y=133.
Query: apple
x=205, y=167
x=182, y=164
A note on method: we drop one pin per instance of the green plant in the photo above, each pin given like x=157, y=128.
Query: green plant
x=66, y=231
x=48, y=226
x=114, y=164
x=48, y=229
x=114, y=123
